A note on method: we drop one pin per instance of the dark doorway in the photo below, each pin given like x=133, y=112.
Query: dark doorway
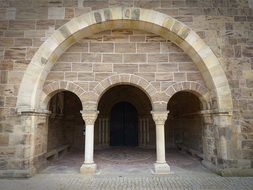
x=123, y=125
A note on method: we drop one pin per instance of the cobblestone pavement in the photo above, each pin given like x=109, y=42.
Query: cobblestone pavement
x=125, y=172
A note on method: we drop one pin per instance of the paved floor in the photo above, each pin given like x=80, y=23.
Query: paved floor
x=124, y=168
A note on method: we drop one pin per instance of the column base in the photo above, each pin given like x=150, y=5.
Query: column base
x=88, y=168
x=161, y=168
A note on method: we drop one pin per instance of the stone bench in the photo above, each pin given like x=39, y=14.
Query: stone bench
x=190, y=151
x=55, y=153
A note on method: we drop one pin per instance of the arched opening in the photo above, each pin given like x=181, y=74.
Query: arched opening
x=184, y=126
x=65, y=125
x=124, y=118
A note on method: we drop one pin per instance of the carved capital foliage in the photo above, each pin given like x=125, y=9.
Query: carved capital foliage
x=160, y=117
x=89, y=117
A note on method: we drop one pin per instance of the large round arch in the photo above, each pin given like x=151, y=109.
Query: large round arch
x=127, y=18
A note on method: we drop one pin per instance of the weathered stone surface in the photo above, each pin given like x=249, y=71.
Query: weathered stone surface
x=112, y=58
x=156, y=58
x=125, y=47
x=102, y=67
x=56, y=13
x=134, y=58
x=6, y=42
x=35, y=13
x=145, y=58
x=64, y=66
x=87, y=67
x=125, y=68
x=148, y=47
x=22, y=25
x=91, y=57
x=70, y=57
x=23, y=42
x=103, y=47
x=82, y=76
x=15, y=53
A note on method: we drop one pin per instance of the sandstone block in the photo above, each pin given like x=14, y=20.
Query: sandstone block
x=34, y=13
x=147, y=76
x=134, y=58
x=112, y=58
x=15, y=77
x=22, y=25
x=148, y=47
x=179, y=77
x=102, y=76
x=194, y=77
x=102, y=47
x=71, y=76
x=102, y=67
x=91, y=57
x=70, y=57
x=54, y=76
x=23, y=42
x=6, y=42
x=63, y=66
x=125, y=68
x=187, y=67
x=157, y=58
x=3, y=77
x=137, y=39
x=167, y=67
x=147, y=68
x=164, y=76
x=45, y=24
x=179, y=57
x=15, y=53
x=125, y=47
x=55, y=13
x=86, y=67
x=4, y=139
x=82, y=76
x=14, y=33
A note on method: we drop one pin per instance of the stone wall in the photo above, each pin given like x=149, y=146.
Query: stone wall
x=225, y=25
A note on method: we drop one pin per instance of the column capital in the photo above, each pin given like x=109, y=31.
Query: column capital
x=89, y=116
x=160, y=116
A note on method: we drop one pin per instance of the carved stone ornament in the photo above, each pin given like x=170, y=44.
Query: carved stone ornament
x=160, y=117
x=89, y=117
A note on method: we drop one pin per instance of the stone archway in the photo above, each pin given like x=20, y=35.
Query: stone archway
x=115, y=18
x=31, y=89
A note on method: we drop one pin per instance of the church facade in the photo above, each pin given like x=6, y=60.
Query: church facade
x=154, y=74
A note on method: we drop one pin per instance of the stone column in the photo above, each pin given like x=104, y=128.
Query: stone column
x=161, y=167
x=89, y=166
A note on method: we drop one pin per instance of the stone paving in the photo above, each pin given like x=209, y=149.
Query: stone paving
x=127, y=169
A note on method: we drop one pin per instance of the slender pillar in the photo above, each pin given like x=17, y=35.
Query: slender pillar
x=89, y=166
x=160, y=167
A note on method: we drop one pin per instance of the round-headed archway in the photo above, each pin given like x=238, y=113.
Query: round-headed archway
x=184, y=126
x=65, y=124
x=124, y=118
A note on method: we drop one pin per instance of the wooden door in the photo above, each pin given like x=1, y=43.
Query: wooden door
x=123, y=125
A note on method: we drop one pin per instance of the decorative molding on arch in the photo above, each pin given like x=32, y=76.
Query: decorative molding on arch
x=187, y=86
x=194, y=87
x=116, y=18
x=97, y=92
x=52, y=88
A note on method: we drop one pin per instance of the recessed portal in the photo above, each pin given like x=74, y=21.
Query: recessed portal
x=124, y=118
x=123, y=125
